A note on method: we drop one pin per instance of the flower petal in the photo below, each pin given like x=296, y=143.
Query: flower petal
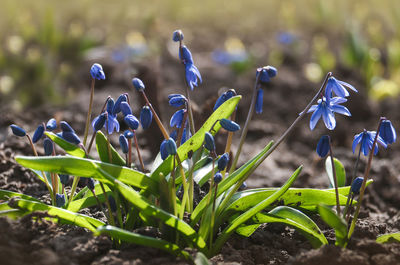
x=315, y=117
x=329, y=118
x=347, y=85
x=341, y=110
x=356, y=141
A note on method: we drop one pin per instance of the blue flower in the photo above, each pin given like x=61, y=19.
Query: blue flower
x=38, y=133
x=229, y=125
x=266, y=73
x=117, y=106
x=223, y=161
x=217, y=177
x=177, y=118
x=259, y=100
x=338, y=87
x=146, y=116
x=131, y=121
x=209, y=142
x=51, y=124
x=224, y=97
x=192, y=75
x=323, y=146
x=163, y=151
x=177, y=35
x=356, y=185
x=68, y=134
x=326, y=108
x=138, y=84
x=60, y=200
x=64, y=179
x=366, y=140
x=387, y=132
x=111, y=122
x=48, y=147
x=129, y=134
x=97, y=72
x=125, y=108
x=123, y=142
x=177, y=100
x=170, y=146
x=185, y=55
x=99, y=121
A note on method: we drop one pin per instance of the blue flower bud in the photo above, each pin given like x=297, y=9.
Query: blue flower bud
x=138, y=84
x=209, y=142
x=224, y=97
x=229, y=125
x=65, y=127
x=71, y=137
x=131, y=121
x=110, y=105
x=177, y=118
x=266, y=73
x=170, y=146
x=51, y=124
x=163, y=150
x=177, y=100
x=18, y=131
x=64, y=178
x=356, y=185
x=125, y=108
x=99, y=121
x=38, y=133
x=323, y=146
x=177, y=35
x=113, y=205
x=223, y=161
x=90, y=184
x=387, y=132
x=97, y=72
x=217, y=177
x=146, y=116
x=259, y=100
x=174, y=135
x=129, y=134
x=117, y=105
x=173, y=95
x=123, y=142
x=185, y=55
x=243, y=186
x=60, y=200
x=48, y=147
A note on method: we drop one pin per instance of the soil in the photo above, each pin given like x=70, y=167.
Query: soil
x=26, y=241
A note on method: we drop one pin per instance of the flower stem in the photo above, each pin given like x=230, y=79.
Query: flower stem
x=348, y=203
x=334, y=178
x=189, y=107
x=89, y=111
x=229, y=141
x=158, y=121
x=138, y=151
x=363, y=186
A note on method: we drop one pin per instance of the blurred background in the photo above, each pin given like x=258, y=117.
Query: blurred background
x=47, y=47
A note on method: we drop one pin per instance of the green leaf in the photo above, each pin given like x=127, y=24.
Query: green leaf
x=223, y=237
x=389, y=238
x=201, y=259
x=89, y=168
x=63, y=215
x=150, y=210
x=6, y=195
x=340, y=172
x=102, y=150
x=131, y=237
x=296, y=219
x=89, y=200
x=202, y=175
x=71, y=149
x=335, y=222
x=196, y=141
x=247, y=230
x=6, y=210
x=228, y=182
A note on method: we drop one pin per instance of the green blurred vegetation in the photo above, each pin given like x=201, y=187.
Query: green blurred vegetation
x=44, y=43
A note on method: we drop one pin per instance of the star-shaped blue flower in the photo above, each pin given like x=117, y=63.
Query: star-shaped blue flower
x=338, y=87
x=326, y=108
x=366, y=139
x=192, y=74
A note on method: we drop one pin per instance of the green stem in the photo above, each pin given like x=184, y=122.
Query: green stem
x=348, y=203
x=189, y=107
x=138, y=151
x=334, y=178
x=158, y=121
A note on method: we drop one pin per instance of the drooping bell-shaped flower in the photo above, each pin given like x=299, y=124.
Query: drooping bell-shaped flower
x=229, y=125
x=387, y=132
x=97, y=72
x=38, y=133
x=323, y=146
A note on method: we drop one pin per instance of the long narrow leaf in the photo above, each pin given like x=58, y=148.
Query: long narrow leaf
x=334, y=221
x=389, y=238
x=131, y=237
x=6, y=195
x=71, y=149
x=339, y=170
x=223, y=237
x=63, y=215
x=89, y=168
x=102, y=150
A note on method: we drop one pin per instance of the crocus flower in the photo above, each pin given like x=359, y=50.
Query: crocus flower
x=18, y=131
x=259, y=100
x=338, y=87
x=323, y=146
x=366, y=140
x=97, y=72
x=326, y=108
x=387, y=132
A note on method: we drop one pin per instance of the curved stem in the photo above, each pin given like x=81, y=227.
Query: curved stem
x=89, y=112
x=158, y=121
x=138, y=151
